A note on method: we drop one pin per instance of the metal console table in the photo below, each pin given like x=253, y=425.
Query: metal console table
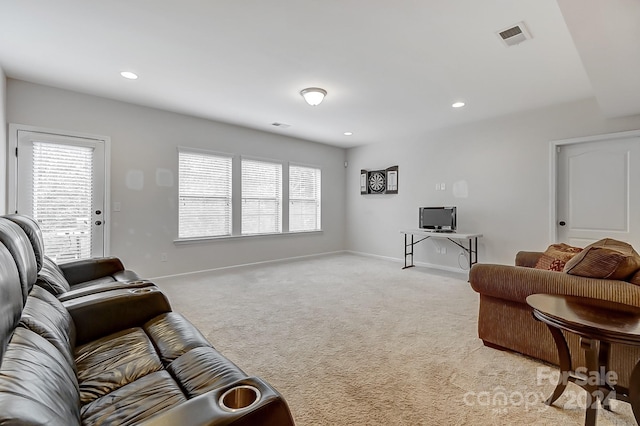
x=410, y=240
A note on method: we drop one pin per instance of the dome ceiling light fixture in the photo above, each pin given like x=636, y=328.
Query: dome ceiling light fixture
x=313, y=95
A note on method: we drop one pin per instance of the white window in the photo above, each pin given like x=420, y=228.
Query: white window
x=62, y=184
x=304, y=199
x=261, y=197
x=204, y=194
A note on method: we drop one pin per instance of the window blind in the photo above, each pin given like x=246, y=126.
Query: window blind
x=304, y=198
x=204, y=195
x=62, y=198
x=261, y=197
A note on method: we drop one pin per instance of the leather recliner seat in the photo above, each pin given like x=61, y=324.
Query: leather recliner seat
x=117, y=357
x=76, y=278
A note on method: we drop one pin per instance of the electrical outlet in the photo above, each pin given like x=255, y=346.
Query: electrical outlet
x=438, y=250
x=163, y=257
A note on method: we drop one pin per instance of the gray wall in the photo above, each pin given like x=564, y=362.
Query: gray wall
x=146, y=139
x=504, y=164
x=499, y=169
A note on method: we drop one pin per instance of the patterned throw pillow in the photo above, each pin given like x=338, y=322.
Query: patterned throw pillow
x=556, y=256
x=607, y=258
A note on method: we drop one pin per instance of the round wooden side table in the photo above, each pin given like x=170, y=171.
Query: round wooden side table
x=599, y=323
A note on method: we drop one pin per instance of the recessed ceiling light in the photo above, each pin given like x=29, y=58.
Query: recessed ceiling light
x=129, y=75
x=348, y=133
x=457, y=104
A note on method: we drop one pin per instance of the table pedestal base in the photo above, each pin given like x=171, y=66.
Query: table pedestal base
x=596, y=382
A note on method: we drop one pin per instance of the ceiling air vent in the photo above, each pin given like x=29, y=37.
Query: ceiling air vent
x=514, y=35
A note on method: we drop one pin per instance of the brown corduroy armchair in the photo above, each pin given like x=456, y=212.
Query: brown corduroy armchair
x=505, y=320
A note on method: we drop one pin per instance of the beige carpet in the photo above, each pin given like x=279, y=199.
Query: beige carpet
x=351, y=340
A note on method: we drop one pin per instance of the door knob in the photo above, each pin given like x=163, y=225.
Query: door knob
x=98, y=222
x=562, y=223
x=98, y=212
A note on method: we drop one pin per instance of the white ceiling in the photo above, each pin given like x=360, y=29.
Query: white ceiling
x=391, y=69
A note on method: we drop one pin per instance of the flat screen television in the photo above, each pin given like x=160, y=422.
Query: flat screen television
x=440, y=219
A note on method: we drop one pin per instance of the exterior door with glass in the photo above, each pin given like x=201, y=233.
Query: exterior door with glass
x=60, y=182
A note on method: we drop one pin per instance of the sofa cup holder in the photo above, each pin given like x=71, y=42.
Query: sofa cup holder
x=141, y=290
x=137, y=282
x=239, y=398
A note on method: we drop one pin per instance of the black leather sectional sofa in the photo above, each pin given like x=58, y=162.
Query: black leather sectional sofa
x=91, y=343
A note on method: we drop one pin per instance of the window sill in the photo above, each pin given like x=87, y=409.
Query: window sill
x=198, y=240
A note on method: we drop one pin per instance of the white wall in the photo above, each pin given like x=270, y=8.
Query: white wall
x=505, y=165
x=3, y=142
x=145, y=139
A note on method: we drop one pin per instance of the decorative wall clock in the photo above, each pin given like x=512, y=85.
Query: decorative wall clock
x=379, y=181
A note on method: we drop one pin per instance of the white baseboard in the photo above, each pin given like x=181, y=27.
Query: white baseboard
x=421, y=264
x=288, y=259
x=265, y=262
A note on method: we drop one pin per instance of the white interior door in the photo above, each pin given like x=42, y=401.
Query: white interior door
x=61, y=184
x=598, y=184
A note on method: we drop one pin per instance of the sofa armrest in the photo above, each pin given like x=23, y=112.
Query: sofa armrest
x=527, y=258
x=101, y=314
x=515, y=283
x=88, y=290
x=83, y=270
x=270, y=410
